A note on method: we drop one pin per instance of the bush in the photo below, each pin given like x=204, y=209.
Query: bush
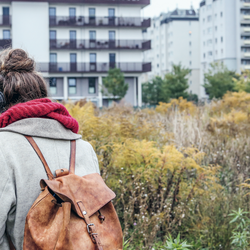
x=175, y=169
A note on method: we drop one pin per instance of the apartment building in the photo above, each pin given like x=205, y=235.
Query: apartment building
x=175, y=39
x=224, y=34
x=76, y=42
x=243, y=34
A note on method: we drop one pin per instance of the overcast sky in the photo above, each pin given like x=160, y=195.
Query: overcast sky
x=158, y=6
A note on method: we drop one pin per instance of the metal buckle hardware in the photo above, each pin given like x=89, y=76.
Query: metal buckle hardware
x=90, y=225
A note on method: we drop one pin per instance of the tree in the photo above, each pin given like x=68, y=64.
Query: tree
x=152, y=92
x=176, y=82
x=219, y=80
x=114, y=84
x=243, y=82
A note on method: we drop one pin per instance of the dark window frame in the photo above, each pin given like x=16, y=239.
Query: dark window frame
x=72, y=86
x=52, y=8
x=93, y=85
x=9, y=34
x=53, y=85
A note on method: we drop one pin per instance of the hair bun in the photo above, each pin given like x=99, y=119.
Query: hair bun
x=17, y=60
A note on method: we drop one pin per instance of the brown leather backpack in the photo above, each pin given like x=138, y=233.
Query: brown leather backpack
x=72, y=212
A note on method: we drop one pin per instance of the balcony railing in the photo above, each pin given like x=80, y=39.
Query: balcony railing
x=134, y=67
x=128, y=22
x=5, y=20
x=4, y=43
x=100, y=44
x=134, y=2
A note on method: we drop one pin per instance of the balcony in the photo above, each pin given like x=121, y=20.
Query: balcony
x=65, y=44
x=5, y=20
x=81, y=21
x=5, y=43
x=132, y=2
x=133, y=67
x=245, y=30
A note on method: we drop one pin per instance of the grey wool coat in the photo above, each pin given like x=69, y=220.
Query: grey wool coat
x=21, y=170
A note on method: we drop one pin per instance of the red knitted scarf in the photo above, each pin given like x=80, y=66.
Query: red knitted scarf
x=39, y=108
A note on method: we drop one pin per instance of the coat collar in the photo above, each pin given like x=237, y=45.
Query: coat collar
x=41, y=127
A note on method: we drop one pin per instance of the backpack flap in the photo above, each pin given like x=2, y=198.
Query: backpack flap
x=90, y=189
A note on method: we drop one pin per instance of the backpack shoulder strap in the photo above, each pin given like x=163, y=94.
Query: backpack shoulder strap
x=40, y=155
x=72, y=157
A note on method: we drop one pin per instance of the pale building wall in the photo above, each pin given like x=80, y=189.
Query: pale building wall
x=30, y=28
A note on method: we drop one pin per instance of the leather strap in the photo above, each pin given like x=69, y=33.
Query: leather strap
x=90, y=226
x=72, y=157
x=40, y=155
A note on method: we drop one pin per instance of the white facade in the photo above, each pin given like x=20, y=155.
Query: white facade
x=75, y=43
x=219, y=32
x=175, y=39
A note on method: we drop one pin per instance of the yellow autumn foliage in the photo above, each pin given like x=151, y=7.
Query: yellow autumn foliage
x=155, y=180
x=180, y=105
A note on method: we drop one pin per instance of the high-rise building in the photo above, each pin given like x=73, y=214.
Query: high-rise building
x=243, y=34
x=220, y=34
x=76, y=42
x=175, y=39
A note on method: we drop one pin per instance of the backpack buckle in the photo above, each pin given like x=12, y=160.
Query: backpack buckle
x=90, y=233
x=90, y=225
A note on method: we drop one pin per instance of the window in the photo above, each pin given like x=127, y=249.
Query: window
x=221, y=39
x=190, y=82
x=190, y=53
x=216, y=40
x=190, y=63
x=216, y=28
x=92, y=35
x=72, y=12
x=209, y=18
x=52, y=11
x=204, y=55
x=52, y=86
x=6, y=15
x=112, y=12
x=53, y=57
x=72, y=86
x=221, y=51
x=112, y=57
x=92, y=57
x=111, y=35
x=221, y=14
x=210, y=53
x=92, y=12
x=72, y=35
x=6, y=11
x=6, y=34
x=52, y=34
x=92, y=89
x=204, y=20
x=72, y=57
x=190, y=43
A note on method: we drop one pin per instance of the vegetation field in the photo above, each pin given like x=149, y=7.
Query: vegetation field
x=178, y=169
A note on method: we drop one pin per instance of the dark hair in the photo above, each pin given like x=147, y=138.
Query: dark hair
x=19, y=81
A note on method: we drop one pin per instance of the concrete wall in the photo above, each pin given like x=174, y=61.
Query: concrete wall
x=129, y=97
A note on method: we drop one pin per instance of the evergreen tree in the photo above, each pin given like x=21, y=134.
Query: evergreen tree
x=176, y=82
x=114, y=84
x=152, y=92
